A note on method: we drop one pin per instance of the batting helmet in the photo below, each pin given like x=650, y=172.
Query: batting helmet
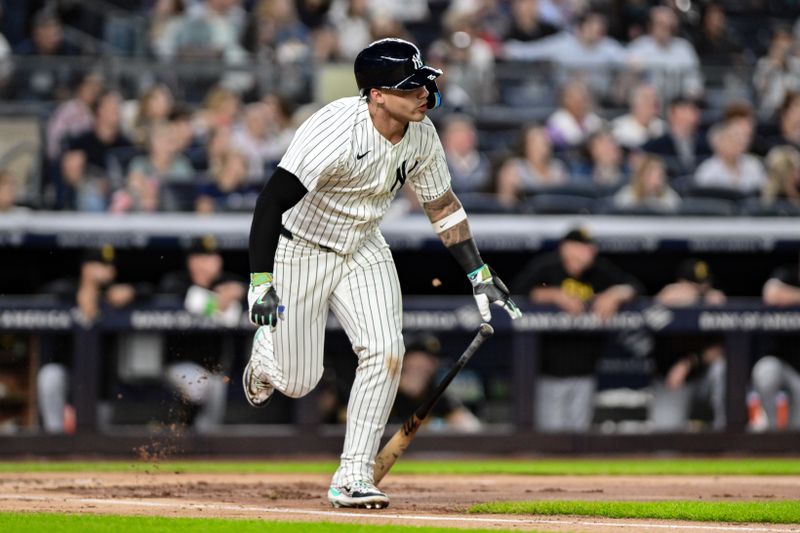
x=395, y=64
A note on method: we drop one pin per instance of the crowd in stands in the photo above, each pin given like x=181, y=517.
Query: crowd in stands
x=645, y=108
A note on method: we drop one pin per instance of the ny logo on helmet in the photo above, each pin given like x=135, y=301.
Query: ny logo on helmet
x=417, y=61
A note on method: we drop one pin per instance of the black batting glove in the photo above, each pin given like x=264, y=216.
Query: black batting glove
x=264, y=302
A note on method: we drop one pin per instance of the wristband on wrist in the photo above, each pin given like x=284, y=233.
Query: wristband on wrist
x=479, y=275
x=467, y=255
x=260, y=278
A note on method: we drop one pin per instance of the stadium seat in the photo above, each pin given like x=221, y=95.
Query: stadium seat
x=559, y=204
x=484, y=203
x=754, y=207
x=721, y=193
x=707, y=207
x=585, y=190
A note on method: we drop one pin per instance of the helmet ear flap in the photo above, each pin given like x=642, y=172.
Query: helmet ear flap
x=434, y=96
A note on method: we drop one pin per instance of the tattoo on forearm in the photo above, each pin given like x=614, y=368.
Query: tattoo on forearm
x=445, y=205
x=458, y=233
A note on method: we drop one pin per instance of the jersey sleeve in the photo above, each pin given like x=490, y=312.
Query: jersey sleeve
x=317, y=147
x=433, y=178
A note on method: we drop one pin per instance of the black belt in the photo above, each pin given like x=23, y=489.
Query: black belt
x=288, y=234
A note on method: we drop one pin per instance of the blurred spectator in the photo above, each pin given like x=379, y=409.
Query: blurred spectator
x=789, y=122
x=6, y=63
x=207, y=29
x=148, y=174
x=730, y=167
x=526, y=24
x=643, y=122
x=9, y=200
x=406, y=11
x=418, y=380
x=153, y=107
x=220, y=109
x=73, y=117
x=35, y=80
x=648, y=188
x=468, y=59
x=85, y=164
x=470, y=169
x=780, y=369
x=185, y=140
x=783, y=176
x=313, y=14
x=682, y=146
x=164, y=18
x=777, y=73
x=562, y=13
x=280, y=127
x=669, y=62
x=574, y=119
x=716, y=45
x=574, y=280
x=742, y=113
x=535, y=167
x=276, y=33
x=251, y=139
x=94, y=291
x=605, y=168
x=228, y=189
x=47, y=38
x=587, y=54
x=351, y=20
x=688, y=367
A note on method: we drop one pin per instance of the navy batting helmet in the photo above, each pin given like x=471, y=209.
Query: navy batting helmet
x=395, y=64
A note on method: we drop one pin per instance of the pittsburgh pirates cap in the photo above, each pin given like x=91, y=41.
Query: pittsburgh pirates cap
x=695, y=270
x=579, y=234
x=103, y=254
x=204, y=245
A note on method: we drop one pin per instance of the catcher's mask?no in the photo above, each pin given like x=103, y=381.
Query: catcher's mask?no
x=395, y=64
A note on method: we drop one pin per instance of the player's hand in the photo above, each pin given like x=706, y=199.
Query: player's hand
x=265, y=305
x=489, y=289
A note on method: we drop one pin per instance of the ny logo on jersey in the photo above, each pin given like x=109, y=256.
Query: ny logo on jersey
x=401, y=173
x=417, y=61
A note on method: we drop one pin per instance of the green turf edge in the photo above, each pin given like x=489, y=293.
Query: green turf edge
x=773, y=512
x=545, y=467
x=68, y=523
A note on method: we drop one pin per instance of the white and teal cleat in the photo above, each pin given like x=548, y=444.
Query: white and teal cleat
x=361, y=494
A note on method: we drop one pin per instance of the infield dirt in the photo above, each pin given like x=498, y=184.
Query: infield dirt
x=416, y=500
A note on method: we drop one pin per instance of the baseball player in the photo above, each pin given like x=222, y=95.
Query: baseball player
x=315, y=246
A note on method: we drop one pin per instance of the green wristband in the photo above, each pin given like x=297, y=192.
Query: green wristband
x=480, y=274
x=260, y=278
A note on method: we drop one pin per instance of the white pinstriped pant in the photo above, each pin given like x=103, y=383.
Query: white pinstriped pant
x=363, y=292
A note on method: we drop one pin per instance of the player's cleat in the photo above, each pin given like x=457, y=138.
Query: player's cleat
x=362, y=494
x=257, y=392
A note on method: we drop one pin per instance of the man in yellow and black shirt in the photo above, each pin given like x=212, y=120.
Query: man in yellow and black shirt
x=575, y=280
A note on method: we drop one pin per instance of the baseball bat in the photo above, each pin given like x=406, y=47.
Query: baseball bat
x=400, y=441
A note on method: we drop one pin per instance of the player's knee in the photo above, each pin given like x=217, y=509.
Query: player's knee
x=767, y=373
x=394, y=350
x=309, y=382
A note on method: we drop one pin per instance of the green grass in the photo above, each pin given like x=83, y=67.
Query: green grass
x=775, y=512
x=547, y=467
x=61, y=523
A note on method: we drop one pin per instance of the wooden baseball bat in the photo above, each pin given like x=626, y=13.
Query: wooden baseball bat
x=400, y=441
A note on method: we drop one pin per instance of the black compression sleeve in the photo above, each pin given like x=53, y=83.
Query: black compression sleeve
x=280, y=194
x=467, y=255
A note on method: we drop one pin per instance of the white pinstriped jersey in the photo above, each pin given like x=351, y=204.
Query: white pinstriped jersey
x=352, y=173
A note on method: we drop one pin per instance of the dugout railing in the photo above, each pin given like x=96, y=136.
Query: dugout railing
x=738, y=322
